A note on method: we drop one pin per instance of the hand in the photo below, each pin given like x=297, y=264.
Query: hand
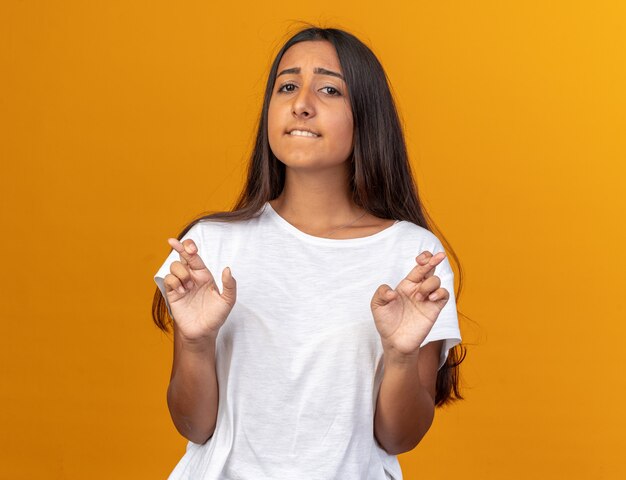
x=198, y=308
x=404, y=316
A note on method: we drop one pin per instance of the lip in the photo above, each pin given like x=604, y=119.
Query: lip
x=304, y=129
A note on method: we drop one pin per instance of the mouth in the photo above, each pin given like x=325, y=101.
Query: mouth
x=301, y=132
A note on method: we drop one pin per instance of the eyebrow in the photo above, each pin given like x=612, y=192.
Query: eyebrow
x=318, y=70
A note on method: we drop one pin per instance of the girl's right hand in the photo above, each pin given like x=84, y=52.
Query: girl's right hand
x=198, y=308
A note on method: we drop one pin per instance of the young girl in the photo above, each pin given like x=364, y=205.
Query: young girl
x=301, y=361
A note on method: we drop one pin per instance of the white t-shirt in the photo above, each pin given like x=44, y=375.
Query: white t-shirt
x=299, y=359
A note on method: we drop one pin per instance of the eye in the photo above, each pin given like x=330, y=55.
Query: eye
x=280, y=89
x=286, y=88
x=333, y=89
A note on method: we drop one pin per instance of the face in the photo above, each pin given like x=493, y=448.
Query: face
x=310, y=95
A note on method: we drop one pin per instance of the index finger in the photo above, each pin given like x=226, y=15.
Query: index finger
x=426, y=269
x=188, y=252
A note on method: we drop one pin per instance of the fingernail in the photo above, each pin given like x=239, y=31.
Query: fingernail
x=433, y=296
x=189, y=248
x=181, y=289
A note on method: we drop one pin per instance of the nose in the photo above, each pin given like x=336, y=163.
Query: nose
x=302, y=106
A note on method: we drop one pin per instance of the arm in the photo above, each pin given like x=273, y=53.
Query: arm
x=192, y=395
x=405, y=406
x=199, y=310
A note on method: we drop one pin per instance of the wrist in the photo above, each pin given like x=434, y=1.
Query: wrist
x=393, y=357
x=198, y=345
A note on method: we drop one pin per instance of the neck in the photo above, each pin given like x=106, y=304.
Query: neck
x=319, y=204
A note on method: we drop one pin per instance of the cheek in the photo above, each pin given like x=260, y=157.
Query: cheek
x=271, y=116
x=346, y=129
x=273, y=126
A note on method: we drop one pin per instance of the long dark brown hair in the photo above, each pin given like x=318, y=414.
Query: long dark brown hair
x=381, y=179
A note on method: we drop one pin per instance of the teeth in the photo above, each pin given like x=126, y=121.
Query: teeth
x=302, y=133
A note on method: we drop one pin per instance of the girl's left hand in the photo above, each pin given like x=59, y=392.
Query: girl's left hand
x=404, y=316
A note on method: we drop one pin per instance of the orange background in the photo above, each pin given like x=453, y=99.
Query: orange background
x=120, y=121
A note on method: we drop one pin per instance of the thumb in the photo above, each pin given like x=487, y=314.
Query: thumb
x=383, y=295
x=229, y=284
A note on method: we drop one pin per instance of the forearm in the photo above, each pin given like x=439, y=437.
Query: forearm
x=404, y=408
x=192, y=395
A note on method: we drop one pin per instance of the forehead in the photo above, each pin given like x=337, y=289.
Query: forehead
x=310, y=54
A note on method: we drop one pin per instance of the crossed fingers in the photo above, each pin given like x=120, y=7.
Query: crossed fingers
x=424, y=273
x=425, y=268
x=188, y=253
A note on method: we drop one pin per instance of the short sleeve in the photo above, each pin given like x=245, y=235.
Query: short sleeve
x=195, y=233
x=446, y=326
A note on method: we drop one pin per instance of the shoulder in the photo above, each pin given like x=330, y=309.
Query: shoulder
x=206, y=231
x=216, y=225
x=223, y=232
x=417, y=239
x=412, y=232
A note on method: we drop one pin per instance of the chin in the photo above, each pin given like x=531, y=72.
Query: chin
x=300, y=162
x=310, y=163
